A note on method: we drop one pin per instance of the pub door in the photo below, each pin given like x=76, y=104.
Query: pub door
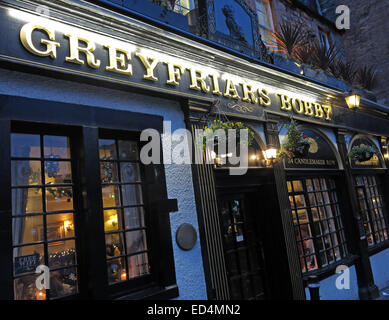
x=243, y=245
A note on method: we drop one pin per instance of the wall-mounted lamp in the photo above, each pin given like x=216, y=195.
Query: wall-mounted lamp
x=270, y=154
x=353, y=100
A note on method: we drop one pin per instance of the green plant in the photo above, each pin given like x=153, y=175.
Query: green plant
x=296, y=141
x=228, y=125
x=289, y=39
x=323, y=56
x=344, y=70
x=366, y=77
x=361, y=153
x=304, y=54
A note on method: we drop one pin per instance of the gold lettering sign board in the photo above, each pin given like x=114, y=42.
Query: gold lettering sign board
x=56, y=44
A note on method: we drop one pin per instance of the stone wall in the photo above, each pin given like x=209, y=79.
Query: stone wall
x=367, y=41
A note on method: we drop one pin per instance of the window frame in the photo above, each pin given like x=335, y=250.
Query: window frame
x=350, y=258
x=261, y=26
x=45, y=114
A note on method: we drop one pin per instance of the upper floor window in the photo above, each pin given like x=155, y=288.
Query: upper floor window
x=265, y=20
x=180, y=6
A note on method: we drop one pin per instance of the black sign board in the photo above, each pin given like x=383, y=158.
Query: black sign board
x=375, y=162
x=27, y=263
x=320, y=154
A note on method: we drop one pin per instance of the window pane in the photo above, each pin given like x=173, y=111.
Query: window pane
x=108, y=172
x=59, y=199
x=134, y=217
x=56, y=147
x=132, y=194
x=129, y=172
x=138, y=265
x=63, y=282
x=111, y=196
x=25, y=173
x=112, y=220
x=25, y=145
x=60, y=226
x=107, y=149
x=297, y=186
x=25, y=289
x=114, y=244
x=27, y=229
x=128, y=150
x=27, y=258
x=136, y=241
x=116, y=270
x=58, y=172
x=62, y=253
x=26, y=201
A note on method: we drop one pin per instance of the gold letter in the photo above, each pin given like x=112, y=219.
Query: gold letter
x=175, y=71
x=114, y=58
x=248, y=93
x=215, y=84
x=327, y=111
x=149, y=66
x=308, y=108
x=285, y=102
x=301, y=109
x=26, y=39
x=318, y=111
x=264, y=98
x=229, y=88
x=197, y=77
x=75, y=49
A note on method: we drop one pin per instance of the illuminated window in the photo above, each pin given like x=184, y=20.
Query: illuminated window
x=183, y=6
x=372, y=210
x=318, y=222
x=265, y=21
x=43, y=215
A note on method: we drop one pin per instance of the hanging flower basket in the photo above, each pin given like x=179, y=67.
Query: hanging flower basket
x=225, y=126
x=361, y=153
x=296, y=145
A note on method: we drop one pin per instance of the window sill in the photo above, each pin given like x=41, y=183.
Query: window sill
x=329, y=270
x=152, y=293
x=378, y=247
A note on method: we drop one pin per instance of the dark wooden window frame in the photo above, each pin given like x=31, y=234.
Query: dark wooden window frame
x=337, y=175
x=380, y=174
x=88, y=123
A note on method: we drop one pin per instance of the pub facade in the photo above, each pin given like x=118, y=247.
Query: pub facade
x=82, y=80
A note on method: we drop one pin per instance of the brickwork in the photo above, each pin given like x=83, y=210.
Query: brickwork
x=367, y=41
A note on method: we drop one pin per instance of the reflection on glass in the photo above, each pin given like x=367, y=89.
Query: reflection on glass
x=59, y=199
x=128, y=150
x=111, y=196
x=134, y=217
x=112, y=220
x=129, y=172
x=136, y=241
x=56, y=147
x=63, y=282
x=132, y=194
x=58, y=172
x=60, y=226
x=25, y=145
x=311, y=262
x=300, y=201
x=62, y=253
x=27, y=229
x=25, y=173
x=297, y=185
x=26, y=201
x=108, y=172
x=107, y=149
x=138, y=265
x=25, y=289
x=116, y=270
x=114, y=244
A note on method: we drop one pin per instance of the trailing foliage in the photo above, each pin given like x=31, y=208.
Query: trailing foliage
x=295, y=140
x=225, y=126
x=361, y=153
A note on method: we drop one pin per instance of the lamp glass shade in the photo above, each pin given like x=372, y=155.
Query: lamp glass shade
x=270, y=153
x=353, y=101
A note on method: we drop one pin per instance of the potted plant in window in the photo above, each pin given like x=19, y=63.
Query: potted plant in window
x=362, y=153
x=296, y=144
